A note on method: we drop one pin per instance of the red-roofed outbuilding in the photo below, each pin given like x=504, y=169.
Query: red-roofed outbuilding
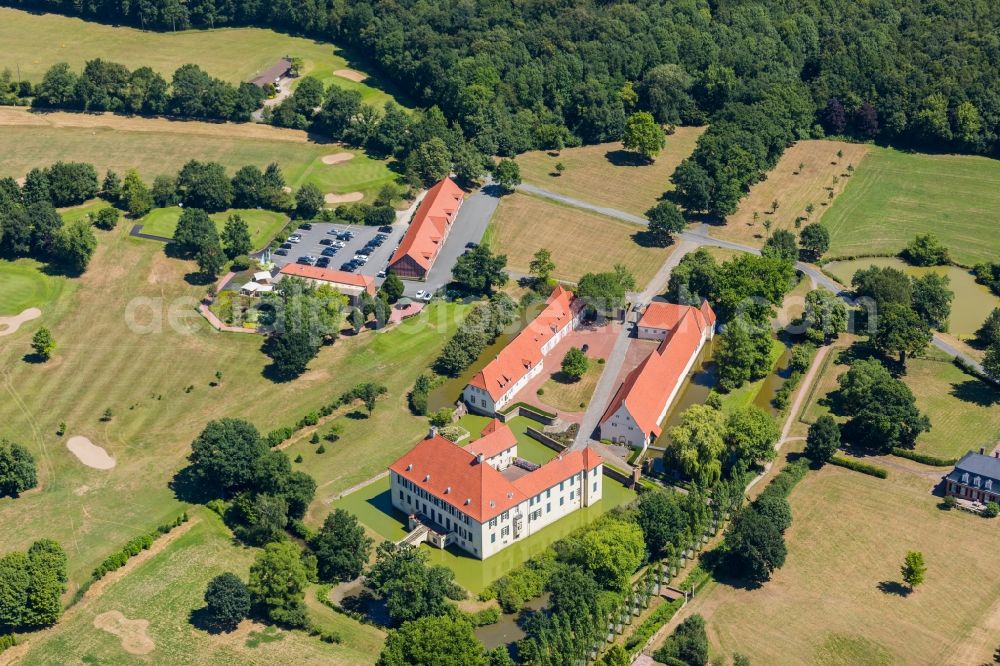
x=634, y=414
x=427, y=232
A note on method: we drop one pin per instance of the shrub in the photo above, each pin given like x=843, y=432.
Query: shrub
x=7, y=641
x=992, y=510
x=924, y=458
x=651, y=624
x=860, y=466
x=488, y=615
x=950, y=502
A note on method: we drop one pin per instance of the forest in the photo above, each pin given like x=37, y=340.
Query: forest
x=512, y=77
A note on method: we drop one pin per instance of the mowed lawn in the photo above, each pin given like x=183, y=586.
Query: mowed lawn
x=263, y=224
x=130, y=341
x=24, y=284
x=580, y=242
x=572, y=396
x=164, y=590
x=964, y=410
x=608, y=175
x=793, y=189
x=35, y=42
x=849, y=534
x=155, y=146
x=893, y=196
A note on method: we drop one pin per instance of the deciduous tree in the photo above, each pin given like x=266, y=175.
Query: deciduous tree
x=341, y=547
x=433, y=641
x=227, y=601
x=665, y=220
x=823, y=440
x=278, y=580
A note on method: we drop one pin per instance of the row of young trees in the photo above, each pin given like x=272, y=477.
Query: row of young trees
x=110, y=86
x=551, y=77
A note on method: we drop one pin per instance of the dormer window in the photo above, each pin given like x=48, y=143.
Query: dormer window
x=965, y=477
x=977, y=481
x=409, y=467
x=988, y=485
x=427, y=477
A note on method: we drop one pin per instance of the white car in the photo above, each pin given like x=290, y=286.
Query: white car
x=423, y=295
x=361, y=257
x=295, y=239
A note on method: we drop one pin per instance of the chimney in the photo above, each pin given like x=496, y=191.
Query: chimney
x=432, y=433
x=447, y=490
x=479, y=458
x=427, y=478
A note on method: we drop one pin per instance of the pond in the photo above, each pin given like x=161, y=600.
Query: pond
x=972, y=304
x=506, y=630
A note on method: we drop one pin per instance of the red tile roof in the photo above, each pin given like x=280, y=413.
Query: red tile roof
x=558, y=469
x=525, y=351
x=430, y=224
x=450, y=473
x=496, y=438
x=662, y=315
x=327, y=275
x=646, y=389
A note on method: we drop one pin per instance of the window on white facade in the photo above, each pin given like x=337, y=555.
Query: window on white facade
x=505, y=531
x=562, y=500
x=493, y=537
x=572, y=494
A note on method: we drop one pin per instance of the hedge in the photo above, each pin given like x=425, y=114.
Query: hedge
x=924, y=458
x=860, y=466
x=135, y=546
x=651, y=625
x=7, y=641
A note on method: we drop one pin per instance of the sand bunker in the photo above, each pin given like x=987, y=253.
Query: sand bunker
x=351, y=75
x=337, y=158
x=132, y=633
x=343, y=198
x=89, y=453
x=8, y=325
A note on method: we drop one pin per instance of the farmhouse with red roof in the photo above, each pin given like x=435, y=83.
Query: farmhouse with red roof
x=482, y=497
x=495, y=386
x=427, y=232
x=642, y=400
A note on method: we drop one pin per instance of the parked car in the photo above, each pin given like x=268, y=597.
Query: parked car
x=361, y=257
x=282, y=252
x=472, y=245
x=423, y=295
x=340, y=244
x=323, y=262
x=329, y=251
x=326, y=241
x=306, y=226
x=286, y=246
x=294, y=239
x=386, y=228
x=347, y=266
x=380, y=274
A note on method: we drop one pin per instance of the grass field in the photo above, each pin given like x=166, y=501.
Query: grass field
x=130, y=341
x=35, y=42
x=848, y=537
x=580, y=242
x=963, y=410
x=793, y=189
x=157, y=146
x=165, y=589
x=23, y=285
x=893, y=196
x=264, y=224
x=606, y=174
x=567, y=396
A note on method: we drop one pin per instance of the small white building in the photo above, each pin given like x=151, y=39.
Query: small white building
x=482, y=498
x=262, y=277
x=255, y=288
x=496, y=385
x=634, y=414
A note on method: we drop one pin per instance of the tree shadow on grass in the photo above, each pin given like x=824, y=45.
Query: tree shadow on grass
x=561, y=377
x=627, y=158
x=198, y=279
x=357, y=415
x=976, y=392
x=893, y=587
x=34, y=359
x=646, y=239
x=188, y=488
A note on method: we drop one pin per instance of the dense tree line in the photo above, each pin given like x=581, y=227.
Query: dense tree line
x=30, y=225
x=110, y=86
x=17, y=469
x=31, y=586
x=542, y=76
x=479, y=328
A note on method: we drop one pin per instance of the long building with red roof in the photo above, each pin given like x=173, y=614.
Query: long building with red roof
x=634, y=414
x=495, y=385
x=427, y=232
x=482, y=497
x=351, y=285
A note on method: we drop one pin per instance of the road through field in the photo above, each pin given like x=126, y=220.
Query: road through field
x=699, y=235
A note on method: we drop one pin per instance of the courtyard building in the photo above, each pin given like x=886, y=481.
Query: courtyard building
x=635, y=412
x=482, y=497
x=427, y=232
x=497, y=384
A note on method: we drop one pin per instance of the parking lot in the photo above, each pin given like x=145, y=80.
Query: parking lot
x=311, y=245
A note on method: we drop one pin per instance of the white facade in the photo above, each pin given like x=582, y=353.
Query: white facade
x=480, y=401
x=651, y=333
x=481, y=540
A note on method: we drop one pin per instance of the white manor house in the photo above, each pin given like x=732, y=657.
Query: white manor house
x=482, y=497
